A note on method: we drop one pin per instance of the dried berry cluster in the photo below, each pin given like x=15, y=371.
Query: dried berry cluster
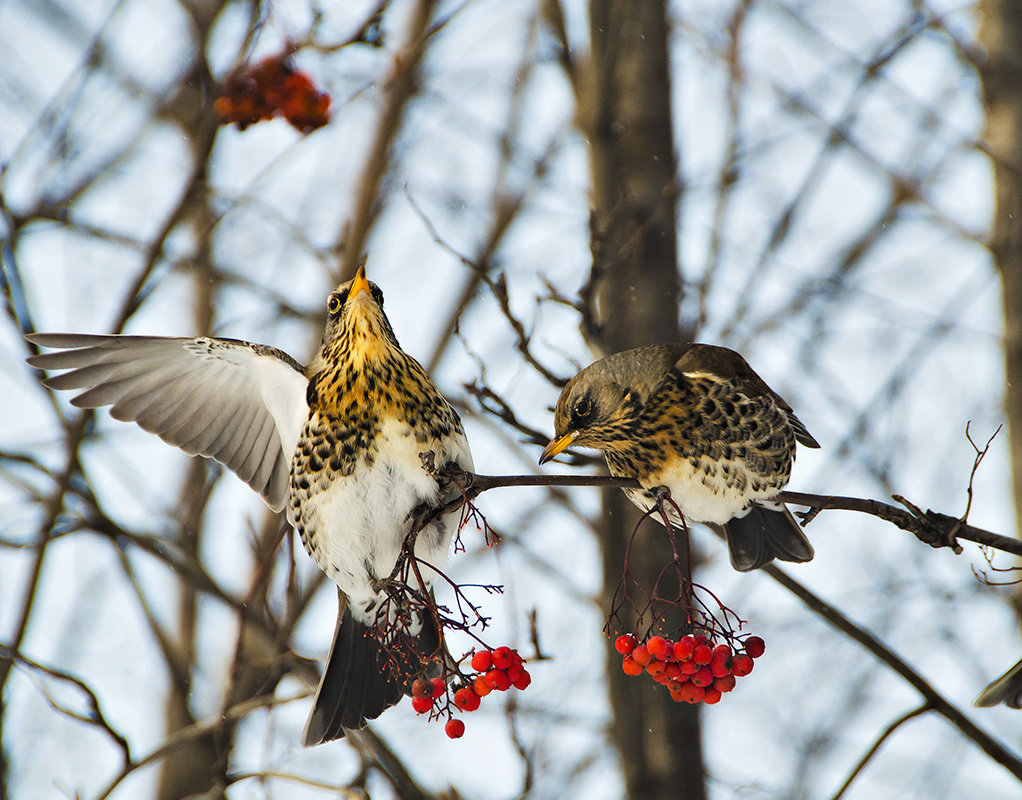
x=493, y=670
x=694, y=669
x=272, y=88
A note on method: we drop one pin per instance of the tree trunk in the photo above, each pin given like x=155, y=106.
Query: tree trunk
x=1000, y=35
x=633, y=296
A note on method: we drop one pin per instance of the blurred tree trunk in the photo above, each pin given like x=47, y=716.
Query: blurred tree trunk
x=1000, y=35
x=633, y=297
x=198, y=766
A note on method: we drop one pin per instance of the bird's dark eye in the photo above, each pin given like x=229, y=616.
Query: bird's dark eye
x=377, y=294
x=583, y=409
x=336, y=301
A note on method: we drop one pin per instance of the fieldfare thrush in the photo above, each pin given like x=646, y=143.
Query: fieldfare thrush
x=697, y=420
x=336, y=443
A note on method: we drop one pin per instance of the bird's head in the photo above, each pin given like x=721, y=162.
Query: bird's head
x=594, y=410
x=356, y=324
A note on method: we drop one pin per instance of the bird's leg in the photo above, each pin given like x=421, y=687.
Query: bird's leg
x=452, y=474
x=660, y=493
x=428, y=459
x=661, y=496
x=387, y=586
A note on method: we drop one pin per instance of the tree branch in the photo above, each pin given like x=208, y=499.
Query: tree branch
x=931, y=527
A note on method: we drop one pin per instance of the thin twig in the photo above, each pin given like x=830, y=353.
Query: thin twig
x=915, y=712
x=95, y=716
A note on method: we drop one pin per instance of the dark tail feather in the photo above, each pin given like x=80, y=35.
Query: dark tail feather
x=1006, y=689
x=763, y=535
x=360, y=682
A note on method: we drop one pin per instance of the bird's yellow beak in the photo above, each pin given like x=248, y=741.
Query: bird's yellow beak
x=557, y=445
x=359, y=284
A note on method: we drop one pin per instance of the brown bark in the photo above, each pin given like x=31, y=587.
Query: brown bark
x=633, y=297
x=1000, y=35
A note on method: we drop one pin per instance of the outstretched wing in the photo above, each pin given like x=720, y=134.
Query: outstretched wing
x=239, y=403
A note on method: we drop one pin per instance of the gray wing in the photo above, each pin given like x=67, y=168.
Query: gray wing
x=239, y=403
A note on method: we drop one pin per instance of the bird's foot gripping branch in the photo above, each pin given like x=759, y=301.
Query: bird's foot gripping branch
x=684, y=637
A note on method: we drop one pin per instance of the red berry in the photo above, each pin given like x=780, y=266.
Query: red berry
x=658, y=647
x=722, y=651
x=625, y=643
x=454, y=728
x=720, y=667
x=688, y=667
x=480, y=686
x=725, y=683
x=755, y=646
x=702, y=654
x=703, y=677
x=466, y=699
x=498, y=679
x=711, y=696
x=482, y=661
x=521, y=681
x=741, y=665
x=630, y=666
x=422, y=688
x=502, y=657
x=691, y=693
x=642, y=655
x=683, y=648
x=422, y=704
x=439, y=687
x=672, y=670
x=656, y=667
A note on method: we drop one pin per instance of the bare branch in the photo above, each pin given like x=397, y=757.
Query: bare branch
x=94, y=717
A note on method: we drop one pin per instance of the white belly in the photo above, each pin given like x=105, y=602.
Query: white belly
x=361, y=519
x=701, y=496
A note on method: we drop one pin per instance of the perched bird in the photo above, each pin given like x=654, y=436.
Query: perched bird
x=697, y=420
x=336, y=443
x=1006, y=689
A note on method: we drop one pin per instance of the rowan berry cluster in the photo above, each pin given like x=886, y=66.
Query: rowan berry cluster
x=498, y=670
x=694, y=669
x=272, y=88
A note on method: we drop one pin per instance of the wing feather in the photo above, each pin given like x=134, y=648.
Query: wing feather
x=729, y=365
x=241, y=404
